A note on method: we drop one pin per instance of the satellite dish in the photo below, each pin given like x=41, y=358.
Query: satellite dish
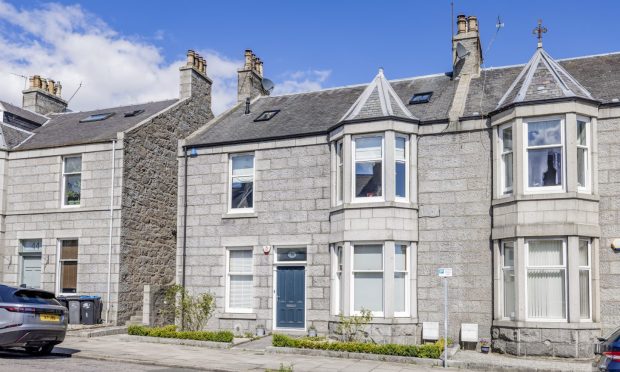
x=461, y=52
x=268, y=85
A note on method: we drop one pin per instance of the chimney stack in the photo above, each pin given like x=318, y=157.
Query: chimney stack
x=43, y=96
x=194, y=79
x=250, y=78
x=469, y=59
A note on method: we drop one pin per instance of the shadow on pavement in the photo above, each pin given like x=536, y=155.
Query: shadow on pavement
x=58, y=352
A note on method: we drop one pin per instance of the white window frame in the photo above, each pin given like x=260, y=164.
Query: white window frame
x=406, y=161
x=59, y=266
x=230, y=179
x=503, y=189
x=338, y=282
x=354, y=197
x=563, y=267
x=588, y=161
x=227, y=307
x=33, y=253
x=589, y=269
x=339, y=172
x=503, y=270
x=526, y=148
x=379, y=314
x=407, y=312
x=64, y=181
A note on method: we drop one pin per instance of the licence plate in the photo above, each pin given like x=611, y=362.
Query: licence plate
x=49, y=317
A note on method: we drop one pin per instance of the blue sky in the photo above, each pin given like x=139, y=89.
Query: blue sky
x=308, y=44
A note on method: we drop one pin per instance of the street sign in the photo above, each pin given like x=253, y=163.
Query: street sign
x=444, y=271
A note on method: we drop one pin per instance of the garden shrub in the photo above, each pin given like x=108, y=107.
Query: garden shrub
x=432, y=351
x=171, y=332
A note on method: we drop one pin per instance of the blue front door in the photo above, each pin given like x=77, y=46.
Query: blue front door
x=290, y=297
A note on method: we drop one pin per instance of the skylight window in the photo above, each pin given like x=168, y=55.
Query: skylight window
x=267, y=115
x=96, y=117
x=133, y=113
x=420, y=98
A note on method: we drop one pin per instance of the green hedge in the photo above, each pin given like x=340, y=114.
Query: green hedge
x=171, y=332
x=419, y=351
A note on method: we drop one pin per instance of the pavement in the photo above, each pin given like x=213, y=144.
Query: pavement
x=125, y=353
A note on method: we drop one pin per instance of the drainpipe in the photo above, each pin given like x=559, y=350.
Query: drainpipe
x=184, y=233
x=107, y=310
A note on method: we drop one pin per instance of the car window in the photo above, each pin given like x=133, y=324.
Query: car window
x=35, y=297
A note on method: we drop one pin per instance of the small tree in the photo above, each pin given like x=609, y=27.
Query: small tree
x=352, y=328
x=193, y=311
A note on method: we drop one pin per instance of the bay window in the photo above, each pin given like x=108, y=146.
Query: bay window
x=508, y=278
x=339, y=172
x=544, y=155
x=368, y=163
x=241, y=182
x=239, y=280
x=546, y=279
x=505, y=137
x=401, y=166
x=584, y=279
x=368, y=278
x=401, y=280
x=583, y=154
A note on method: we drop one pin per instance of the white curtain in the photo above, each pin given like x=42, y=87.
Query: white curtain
x=240, y=279
x=546, y=280
x=368, y=291
x=584, y=279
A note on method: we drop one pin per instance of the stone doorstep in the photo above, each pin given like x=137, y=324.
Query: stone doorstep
x=177, y=341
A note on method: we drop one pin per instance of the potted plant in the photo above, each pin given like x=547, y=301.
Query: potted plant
x=312, y=331
x=485, y=345
x=260, y=330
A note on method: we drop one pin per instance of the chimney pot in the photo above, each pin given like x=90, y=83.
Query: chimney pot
x=472, y=23
x=36, y=82
x=204, y=65
x=199, y=63
x=248, y=59
x=51, y=85
x=58, y=88
x=247, y=106
x=461, y=23
x=191, y=57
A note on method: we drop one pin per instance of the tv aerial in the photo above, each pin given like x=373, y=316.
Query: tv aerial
x=268, y=85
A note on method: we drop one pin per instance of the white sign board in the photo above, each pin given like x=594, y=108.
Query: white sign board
x=469, y=332
x=430, y=330
x=444, y=271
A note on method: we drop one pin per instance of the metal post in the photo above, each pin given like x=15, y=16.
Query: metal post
x=445, y=322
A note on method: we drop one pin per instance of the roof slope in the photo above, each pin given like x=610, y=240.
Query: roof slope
x=12, y=136
x=317, y=112
x=378, y=100
x=66, y=129
x=28, y=115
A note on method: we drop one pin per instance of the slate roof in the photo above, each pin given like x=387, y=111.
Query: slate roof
x=599, y=75
x=317, y=112
x=28, y=115
x=378, y=100
x=12, y=136
x=66, y=130
x=542, y=78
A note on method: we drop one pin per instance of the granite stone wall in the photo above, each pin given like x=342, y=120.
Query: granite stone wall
x=149, y=201
x=454, y=180
x=609, y=189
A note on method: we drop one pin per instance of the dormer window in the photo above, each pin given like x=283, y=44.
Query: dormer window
x=96, y=117
x=420, y=98
x=267, y=115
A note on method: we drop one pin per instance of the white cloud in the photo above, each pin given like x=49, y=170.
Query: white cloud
x=68, y=44
x=301, y=81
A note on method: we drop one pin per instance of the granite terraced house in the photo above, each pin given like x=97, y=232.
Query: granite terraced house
x=89, y=198
x=296, y=208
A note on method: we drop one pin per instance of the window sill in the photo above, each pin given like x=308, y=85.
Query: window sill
x=394, y=320
x=245, y=316
x=239, y=215
x=546, y=325
x=378, y=204
x=550, y=196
